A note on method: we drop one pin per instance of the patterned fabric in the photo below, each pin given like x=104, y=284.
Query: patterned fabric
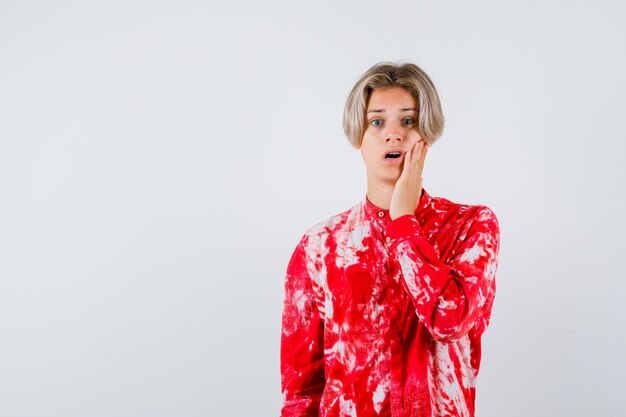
x=384, y=317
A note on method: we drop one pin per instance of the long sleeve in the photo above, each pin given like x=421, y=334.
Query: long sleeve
x=302, y=347
x=448, y=296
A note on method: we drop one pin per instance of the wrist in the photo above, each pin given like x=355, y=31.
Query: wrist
x=398, y=215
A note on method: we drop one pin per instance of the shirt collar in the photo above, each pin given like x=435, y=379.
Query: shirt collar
x=372, y=211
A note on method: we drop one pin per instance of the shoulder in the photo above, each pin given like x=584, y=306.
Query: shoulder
x=316, y=243
x=326, y=228
x=468, y=217
x=485, y=214
x=316, y=236
x=475, y=212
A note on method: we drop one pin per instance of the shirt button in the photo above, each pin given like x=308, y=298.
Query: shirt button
x=381, y=213
x=387, y=239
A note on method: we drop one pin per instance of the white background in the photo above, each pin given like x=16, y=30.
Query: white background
x=159, y=162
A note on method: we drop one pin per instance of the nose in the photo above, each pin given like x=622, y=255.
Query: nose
x=393, y=133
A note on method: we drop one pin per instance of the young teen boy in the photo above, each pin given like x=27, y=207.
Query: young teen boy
x=385, y=303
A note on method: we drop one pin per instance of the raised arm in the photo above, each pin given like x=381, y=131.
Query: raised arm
x=302, y=341
x=448, y=296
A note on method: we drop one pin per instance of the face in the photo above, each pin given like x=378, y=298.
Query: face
x=391, y=117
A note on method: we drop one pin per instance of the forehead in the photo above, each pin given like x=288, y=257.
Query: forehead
x=390, y=98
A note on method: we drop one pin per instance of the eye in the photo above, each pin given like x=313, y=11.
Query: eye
x=409, y=119
x=373, y=122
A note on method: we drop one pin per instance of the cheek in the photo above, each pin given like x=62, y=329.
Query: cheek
x=368, y=155
x=415, y=139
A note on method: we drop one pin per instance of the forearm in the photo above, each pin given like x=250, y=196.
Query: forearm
x=447, y=296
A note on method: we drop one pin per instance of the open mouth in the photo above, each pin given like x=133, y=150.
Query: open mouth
x=393, y=155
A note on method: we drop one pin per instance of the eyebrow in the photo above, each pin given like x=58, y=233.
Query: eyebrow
x=382, y=110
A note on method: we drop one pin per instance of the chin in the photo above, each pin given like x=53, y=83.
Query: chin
x=387, y=177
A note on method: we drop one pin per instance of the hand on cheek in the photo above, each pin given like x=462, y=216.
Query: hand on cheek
x=408, y=188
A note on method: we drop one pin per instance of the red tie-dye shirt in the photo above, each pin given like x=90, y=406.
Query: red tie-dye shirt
x=384, y=317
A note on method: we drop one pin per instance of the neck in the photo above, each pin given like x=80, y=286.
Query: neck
x=379, y=194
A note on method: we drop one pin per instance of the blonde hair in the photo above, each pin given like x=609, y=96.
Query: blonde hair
x=386, y=75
